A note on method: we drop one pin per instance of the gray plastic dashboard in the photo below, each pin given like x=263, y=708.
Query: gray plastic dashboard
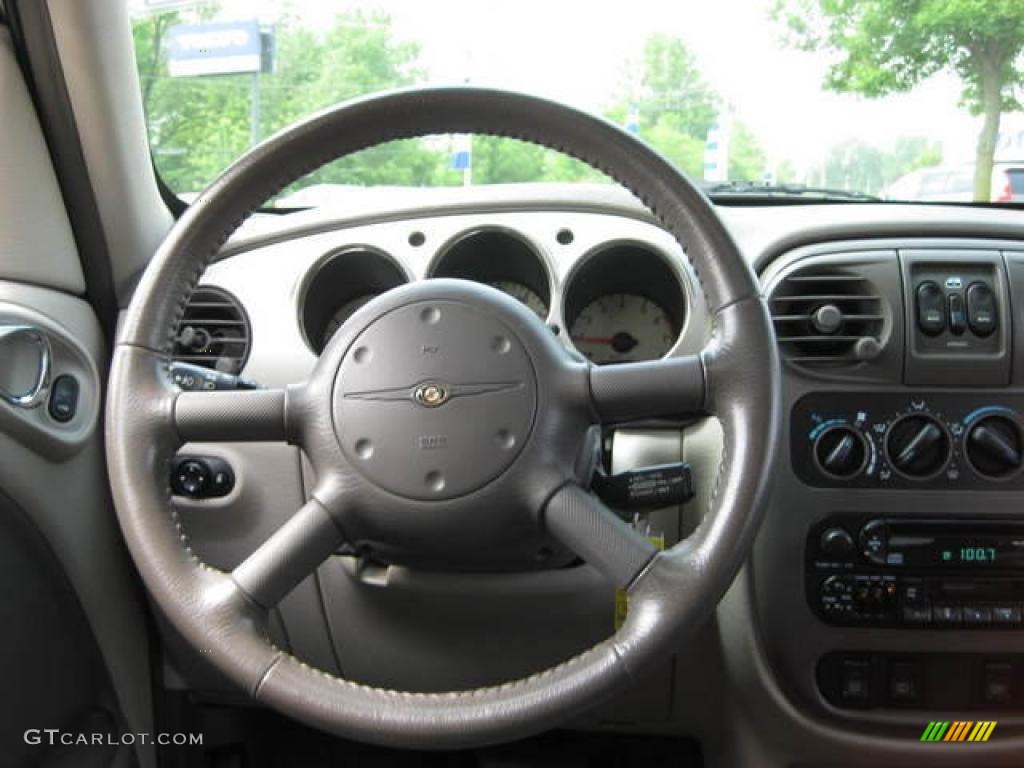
x=746, y=685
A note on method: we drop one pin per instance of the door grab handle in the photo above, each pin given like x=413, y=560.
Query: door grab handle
x=37, y=394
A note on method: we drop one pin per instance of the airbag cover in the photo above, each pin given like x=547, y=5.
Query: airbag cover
x=435, y=399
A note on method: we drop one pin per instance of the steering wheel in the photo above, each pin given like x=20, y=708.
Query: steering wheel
x=443, y=417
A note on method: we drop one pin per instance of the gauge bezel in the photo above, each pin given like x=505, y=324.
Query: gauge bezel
x=361, y=269
x=530, y=266
x=607, y=269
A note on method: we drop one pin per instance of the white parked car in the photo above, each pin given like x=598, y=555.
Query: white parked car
x=948, y=183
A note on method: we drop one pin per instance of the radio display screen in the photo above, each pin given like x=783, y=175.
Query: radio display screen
x=958, y=550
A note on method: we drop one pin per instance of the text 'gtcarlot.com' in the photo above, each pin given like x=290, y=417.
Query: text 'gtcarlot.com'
x=53, y=736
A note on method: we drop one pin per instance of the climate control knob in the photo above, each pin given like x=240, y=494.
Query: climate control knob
x=918, y=446
x=993, y=445
x=841, y=451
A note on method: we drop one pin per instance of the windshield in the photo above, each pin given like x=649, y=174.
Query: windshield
x=788, y=97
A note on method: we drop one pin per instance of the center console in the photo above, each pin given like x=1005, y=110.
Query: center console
x=889, y=575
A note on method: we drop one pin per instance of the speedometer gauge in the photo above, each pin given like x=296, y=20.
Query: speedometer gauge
x=343, y=313
x=623, y=328
x=527, y=296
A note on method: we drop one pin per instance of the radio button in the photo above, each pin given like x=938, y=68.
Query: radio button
x=914, y=614
x=914, y=592
x=837, y=543
x=1006, y=614
x=977, y=614
x=873, y=542
x=947, y=614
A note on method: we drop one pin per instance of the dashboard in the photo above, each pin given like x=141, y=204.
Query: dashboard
x=893, y=545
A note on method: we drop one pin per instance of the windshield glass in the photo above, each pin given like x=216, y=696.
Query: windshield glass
x=883, y=99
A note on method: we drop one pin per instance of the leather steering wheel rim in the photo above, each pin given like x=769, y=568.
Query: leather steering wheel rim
x=736, y=378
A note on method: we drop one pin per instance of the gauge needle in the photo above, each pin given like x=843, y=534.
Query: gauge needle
x=622, y=342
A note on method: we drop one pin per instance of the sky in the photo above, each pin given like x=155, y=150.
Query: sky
x=577, y=51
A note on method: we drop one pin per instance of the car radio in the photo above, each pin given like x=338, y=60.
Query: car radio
x=916, y=572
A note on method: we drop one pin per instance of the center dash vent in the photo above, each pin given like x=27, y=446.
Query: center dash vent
x=214, y=331
x=827, y=315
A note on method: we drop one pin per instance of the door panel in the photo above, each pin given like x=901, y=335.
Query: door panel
x=53, y=492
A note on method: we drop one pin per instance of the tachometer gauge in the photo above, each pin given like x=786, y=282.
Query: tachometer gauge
x=527, y=296
x=343, y=313
x=623, y=328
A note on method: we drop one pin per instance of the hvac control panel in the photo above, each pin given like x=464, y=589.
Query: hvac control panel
x=884, y=440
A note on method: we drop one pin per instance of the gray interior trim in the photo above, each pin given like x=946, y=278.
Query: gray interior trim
x=94, y=42
x=36, y=242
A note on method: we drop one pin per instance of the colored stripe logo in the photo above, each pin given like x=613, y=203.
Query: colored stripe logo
x=959, y=730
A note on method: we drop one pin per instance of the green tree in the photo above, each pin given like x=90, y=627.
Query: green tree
x=747, y=160
x=498, y=160
x=856, y=165
x=887, y=46
x=199, y=125
x=685, y=151
x=676, y=106
x=673, y=93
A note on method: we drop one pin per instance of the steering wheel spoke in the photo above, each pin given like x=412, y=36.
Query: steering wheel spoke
x=585, y=525
x=672, y=387
x=291, y=553
x=244, y=415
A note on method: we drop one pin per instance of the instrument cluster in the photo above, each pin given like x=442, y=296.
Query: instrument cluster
x=621, y=302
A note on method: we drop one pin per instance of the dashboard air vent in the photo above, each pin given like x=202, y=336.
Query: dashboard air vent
x=214, y=331
x=826, y=315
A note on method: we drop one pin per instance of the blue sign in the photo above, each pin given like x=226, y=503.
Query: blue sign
x=217, y=48
x=461, y=160
x=633, y=121
x=462, y=152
